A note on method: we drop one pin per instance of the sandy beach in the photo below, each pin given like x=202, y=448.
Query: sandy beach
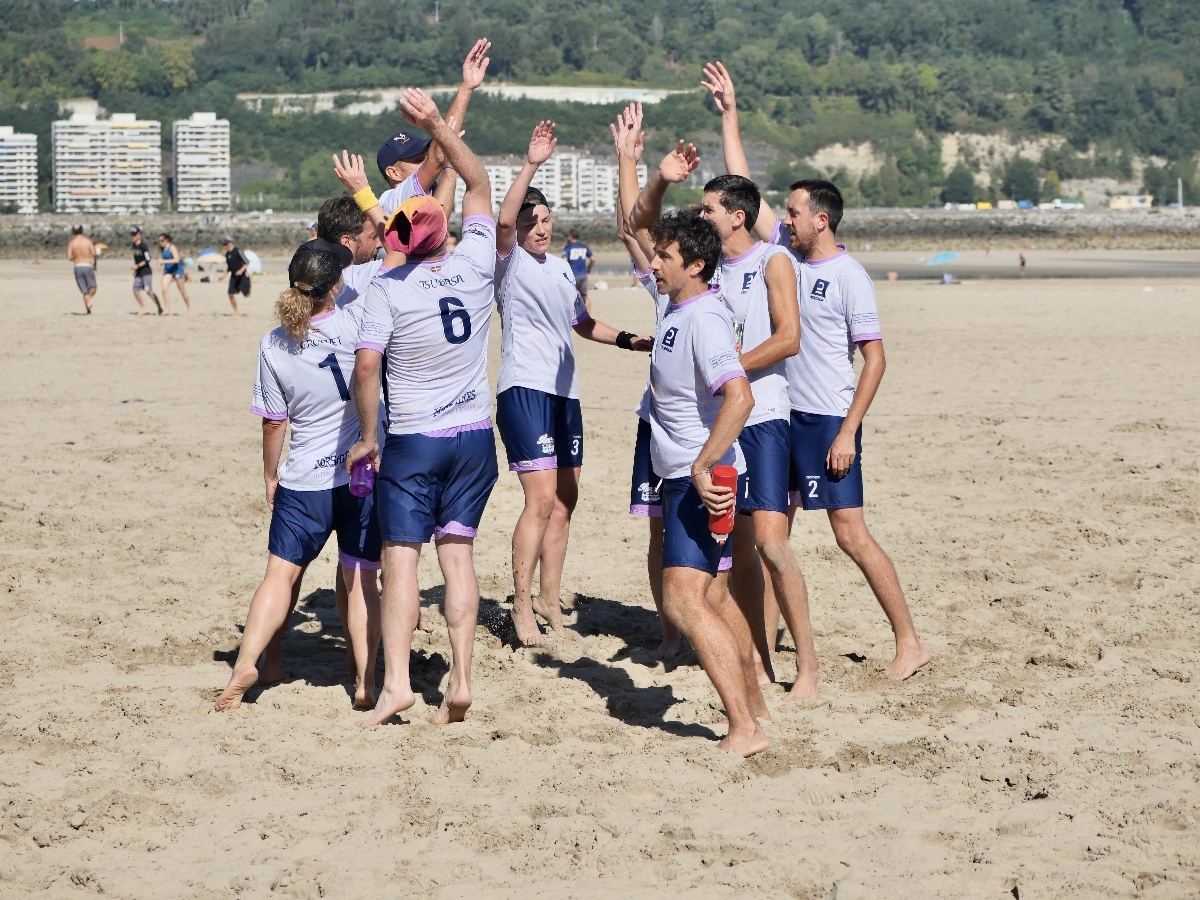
x=1030, y=466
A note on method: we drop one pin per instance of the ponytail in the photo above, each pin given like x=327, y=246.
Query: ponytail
x=294, y=309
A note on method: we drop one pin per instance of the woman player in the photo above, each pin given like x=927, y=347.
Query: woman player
x=173, y=272
x=304, y=375
x=537, y=401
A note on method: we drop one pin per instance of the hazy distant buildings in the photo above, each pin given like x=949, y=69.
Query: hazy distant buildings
x=18, y=170
x=201, y=152
x=572, y=182
x=107, y=166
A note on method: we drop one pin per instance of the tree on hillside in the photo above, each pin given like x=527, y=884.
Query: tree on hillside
x=960, y=185
x=1020, y=180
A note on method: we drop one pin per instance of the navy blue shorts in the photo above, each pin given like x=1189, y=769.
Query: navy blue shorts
x=814, y=487
x=433, y=486
x=687, y=542
x=767, y=448
x=303, y=520
x=644, y=493
x=539, y=430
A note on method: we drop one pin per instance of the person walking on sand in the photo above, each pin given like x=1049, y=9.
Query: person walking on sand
x=82, y=252
x=1022, y=265
x=302, y=368
x=700, y=399
x=237, y=269
x=431, y=315
x=580, y=257
x=537, y=399
x=173, y=272
x=143, y=274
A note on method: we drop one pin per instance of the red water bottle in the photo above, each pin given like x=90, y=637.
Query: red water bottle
x=362, y=477
x=722, y=525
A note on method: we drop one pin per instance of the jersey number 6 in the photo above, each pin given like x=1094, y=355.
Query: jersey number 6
x=452, y=311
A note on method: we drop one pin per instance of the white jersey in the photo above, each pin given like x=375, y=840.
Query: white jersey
x=837, y=311
x=356, y=280
x=390, y=200
x=661, y=302
x=310, y=383
x=744, y=290
x=693, y=356
x=432, y=319
x=538, y=306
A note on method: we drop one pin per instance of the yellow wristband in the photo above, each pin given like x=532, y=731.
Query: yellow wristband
x=366, y=199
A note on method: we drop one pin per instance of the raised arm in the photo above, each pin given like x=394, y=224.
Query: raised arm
x=675, y=168
x=420, y=110
x=474, y=67
x=628, y=137
x=720, y=85
x=352, y=173
x=541, y=145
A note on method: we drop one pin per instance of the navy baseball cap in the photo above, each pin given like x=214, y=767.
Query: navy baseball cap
x=401, y=145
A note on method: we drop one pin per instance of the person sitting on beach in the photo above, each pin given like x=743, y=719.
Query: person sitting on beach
x=302, y=379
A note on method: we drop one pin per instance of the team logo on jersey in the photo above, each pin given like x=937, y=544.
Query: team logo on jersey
x=820, y=286
x=668, y=341
x=747, y=280
x=546, y=443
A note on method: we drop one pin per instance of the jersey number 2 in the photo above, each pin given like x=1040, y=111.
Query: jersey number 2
x=330, y=362
x=452, y=311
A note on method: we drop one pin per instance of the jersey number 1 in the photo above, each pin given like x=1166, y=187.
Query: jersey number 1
x=330, y=362
x=452, y=311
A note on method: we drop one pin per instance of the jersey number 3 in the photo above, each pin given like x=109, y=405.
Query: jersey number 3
x=330, y=362
x=452, y=311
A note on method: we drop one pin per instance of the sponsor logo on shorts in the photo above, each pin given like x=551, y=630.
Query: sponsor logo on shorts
x=820, y=286
x=429, y=283
x=332, y=461
x=546, y=443
x=647, y=493
x=668, y=341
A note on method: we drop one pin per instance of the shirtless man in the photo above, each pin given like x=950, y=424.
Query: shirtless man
x=82, y=252
x=700, y=399
x=837, y=316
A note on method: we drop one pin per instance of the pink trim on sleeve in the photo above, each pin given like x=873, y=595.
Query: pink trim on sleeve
x=580, y=318
x=418, y=190
x=367, y=345
x=502, y=258
x=273, y=416
x=478, y=217
x=862, y=338
x=716, y=386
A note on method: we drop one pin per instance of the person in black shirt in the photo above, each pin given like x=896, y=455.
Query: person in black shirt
x=143, y=275
x=237, y=267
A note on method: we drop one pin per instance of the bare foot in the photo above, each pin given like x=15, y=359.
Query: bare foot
x=364, y=696
x=142, y=313
x=745, y=743
x=527, y=630
x=908, y=660
x=453, y=709
x=805, y=687
x=423, y=625
x=550, y=611
x=389, y=703
x=239, y=682
x=667, y=649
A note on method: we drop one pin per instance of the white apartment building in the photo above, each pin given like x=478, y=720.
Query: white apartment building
x=571, y=182
x=107, y=166
x=201, y=151
x=18, y=170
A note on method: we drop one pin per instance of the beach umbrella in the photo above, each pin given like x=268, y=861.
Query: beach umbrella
x=943, y=258
x=255, y=262
x=209, y=258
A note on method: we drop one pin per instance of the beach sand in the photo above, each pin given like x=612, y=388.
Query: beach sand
x=1031, y=468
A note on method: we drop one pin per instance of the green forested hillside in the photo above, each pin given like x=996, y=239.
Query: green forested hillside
x=1114, y=78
